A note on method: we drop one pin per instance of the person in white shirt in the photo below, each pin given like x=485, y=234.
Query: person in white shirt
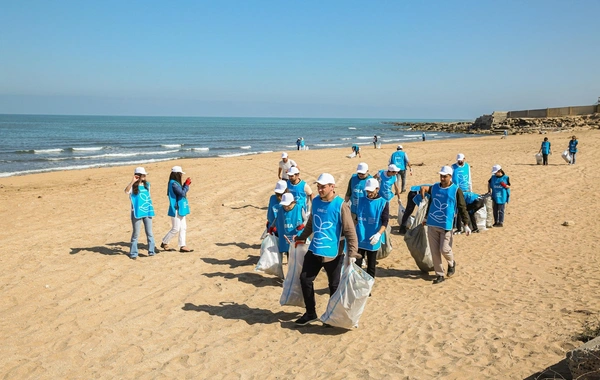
x=284, y=165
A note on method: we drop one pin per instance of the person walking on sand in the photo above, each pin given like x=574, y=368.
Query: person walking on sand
x=388, y=183
x=289, y=222
x=284, y=165
x=400, y=159
x=573, y=149
x=142, y=211
x=423, y=136
x=461, y=173
x=179, y=208
x=333, y=228
x=273, y=208
x=373, y=214
x=545, y=150
x=499, y=187
x=356, y=186
x=301, y=190
x=375, y=139
x=446, y=200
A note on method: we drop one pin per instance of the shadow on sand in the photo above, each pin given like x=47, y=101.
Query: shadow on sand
x=119, y=248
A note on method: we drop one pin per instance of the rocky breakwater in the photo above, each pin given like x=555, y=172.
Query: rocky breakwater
x=497, y=123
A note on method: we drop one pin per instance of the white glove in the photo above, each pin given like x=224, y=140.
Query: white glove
x=467, y=231
x=375, y=238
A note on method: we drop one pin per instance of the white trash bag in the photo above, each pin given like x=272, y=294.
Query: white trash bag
x=386, y=246
x=270, y=259
x=351, y=155
x=566, y=156
x=348, y=302
x=401, y=211
x=539, y=159
x=481, y=218
x=292, y=289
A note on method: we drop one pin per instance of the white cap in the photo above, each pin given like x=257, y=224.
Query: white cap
x=284, y=155
x=280, y=187
x=177, y=169
x=326, y=179
x=495, y=168
x=140, y=170
x=371, y=184
x=399, y=147
x=286, y=199
x=393, y=168
x=460, y=157
x=362, y=168
x=446, y=170
x=293, y=170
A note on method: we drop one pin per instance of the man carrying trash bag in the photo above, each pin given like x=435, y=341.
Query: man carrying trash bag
x=332, y=225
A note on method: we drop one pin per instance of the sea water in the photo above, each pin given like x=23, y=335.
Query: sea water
x=42, y=143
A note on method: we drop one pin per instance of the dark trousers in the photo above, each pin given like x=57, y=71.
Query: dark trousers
x=410, y=207
x=371, y=260
x=499, y=212
x=401, y=177
x=311, y=268
x=544, y=159
x=572, y=157
x=472, y=209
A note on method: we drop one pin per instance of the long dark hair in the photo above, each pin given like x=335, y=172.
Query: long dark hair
x=175, y=177
x=135, y=187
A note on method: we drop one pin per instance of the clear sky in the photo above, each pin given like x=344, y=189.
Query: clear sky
x=383, y=59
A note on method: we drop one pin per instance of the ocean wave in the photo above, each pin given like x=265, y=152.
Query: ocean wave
x=88, y=149
x=201, y=149
x=412, y=135
x=346, y=138
x=243, y=154
x=365, y=137
x=351, y=127
x=246, y=147
x=171, y=145
x=111, y=155
x=80, y=167
x=328, y=144
x=42, y=151
x=398, y=139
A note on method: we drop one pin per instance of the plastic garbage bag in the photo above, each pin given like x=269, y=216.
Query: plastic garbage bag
x=489, y=208
x=566, y=156
x=401, y=211
x=351, y=155
x=417, y=242
x=386, y=244
x=270, y=259
x=539, y=159
x=348, y=302
x=481, y=218
x=292, y=290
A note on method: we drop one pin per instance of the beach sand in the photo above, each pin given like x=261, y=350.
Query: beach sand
x=74, y=305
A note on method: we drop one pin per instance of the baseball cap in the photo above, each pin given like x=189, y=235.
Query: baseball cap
x=140, y=170
x=326, y=179
x=371, y=184
x=284, y=155
x=446, y=170
x=362, y=168
x=286, y=199
x=460, y=157
x=393, y=168
x=399, y=147
x=177, y=169
x=495, y=168
x=293, y=170
x=280, y=187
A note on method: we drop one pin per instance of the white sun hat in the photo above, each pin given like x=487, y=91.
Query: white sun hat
x=140, y=170
x=371, y=184
x=280, y=187
x=326, y=179
x=446, y=170
x=460, y=157
x=362, y=168
x=293, y=170
x=393, y=168
x=495, y=168
x=177, y=169
x=286, y=199
x=284, y=155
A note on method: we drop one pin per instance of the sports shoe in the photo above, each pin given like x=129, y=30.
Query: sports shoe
x=457, y=232
x=451, y=269
x=133, y=257
x=438, y=279
x=500, y=225
x=306, y=319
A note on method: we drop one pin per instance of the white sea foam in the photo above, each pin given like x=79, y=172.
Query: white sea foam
x=95, y=148
x=201, y=149
x=328, y=144
x=398, y=139
x=58, y=150
x=235, y=154
x=346, y=138
x=170, y=145
x=364, y=137
x=246, y=147
x=351, y=128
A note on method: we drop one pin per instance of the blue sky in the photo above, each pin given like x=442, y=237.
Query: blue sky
x=383, y=59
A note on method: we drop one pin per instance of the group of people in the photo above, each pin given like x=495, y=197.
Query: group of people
x=300, y=143
x=546, y=150
x=142, y=210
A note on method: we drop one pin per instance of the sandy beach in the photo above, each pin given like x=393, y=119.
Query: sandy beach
x=75, y=306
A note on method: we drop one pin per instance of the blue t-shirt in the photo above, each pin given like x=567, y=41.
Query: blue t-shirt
x=546, y=147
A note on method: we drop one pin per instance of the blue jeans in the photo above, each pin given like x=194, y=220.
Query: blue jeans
x=137, y=224
x=572, y=157
x=498, y=212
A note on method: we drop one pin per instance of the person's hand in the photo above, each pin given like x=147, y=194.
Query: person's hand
x=375, y=238
x=188, y=181
x=300, y=227
x=410, y=170
x=267, y=226
x=503, y=184
x=272, y=230
x=135, y=178
x=467, y=231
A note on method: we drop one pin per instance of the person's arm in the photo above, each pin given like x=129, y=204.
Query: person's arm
x=180, y=191
x=279, y=173
x=294, y=164
x=349, y=232
x=541, y=148
x=348, y=190
x=385, y=217
x=397, y=189
x=490, y=185
x=407, y=162
x=462, y=208
x=309, y=192
x=308, y=229
x=134, y=180
x=428, y=204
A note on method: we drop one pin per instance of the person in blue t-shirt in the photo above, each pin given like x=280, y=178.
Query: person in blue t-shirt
x=545, y=150
x=142, y=211
x=356, y=187
x=573, y=149
x=499, y=187
x=400, y=159
x=289, y=221
x=273, y=208
x=178, y=209
x=446, y=199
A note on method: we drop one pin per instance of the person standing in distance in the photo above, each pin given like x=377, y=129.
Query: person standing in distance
x=573, y=149
x=375, y=139
x=142, y=211
x=461, y=173
x=373, y=214
x=545, y=150
x=284, y=165
x=179, y=208
x=400, y=159
x=356, y=186
x=499, y=186
x=332, y=225
x=445, y=200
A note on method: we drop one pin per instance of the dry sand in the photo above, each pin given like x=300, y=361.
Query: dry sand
x=74, y=306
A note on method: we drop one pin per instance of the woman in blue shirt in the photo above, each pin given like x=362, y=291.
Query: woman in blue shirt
x=573, y=149
x=499, y=186
x=142, y=211
x=545, y=150
x=178, y=209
